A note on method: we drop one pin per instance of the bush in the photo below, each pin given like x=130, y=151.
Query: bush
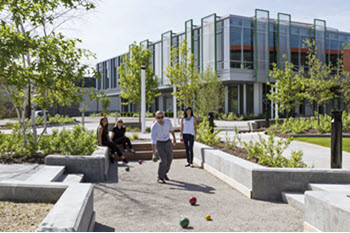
x=204, y=134
x=150, y=114
x=135, y=136
x=148, y=129
x=78, y=141
x=269, y=153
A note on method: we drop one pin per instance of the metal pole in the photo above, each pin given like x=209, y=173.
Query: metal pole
x=174, y=106
x=143, y=99
x=336, y=140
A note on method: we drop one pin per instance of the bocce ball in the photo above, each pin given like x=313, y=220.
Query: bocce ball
x=127, y=169
x=192, y=200
x=155, y=159
x=207, y=217
x=140, y=161
x=184, y=222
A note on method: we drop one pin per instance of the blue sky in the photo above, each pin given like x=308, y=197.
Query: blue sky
x=115, y=24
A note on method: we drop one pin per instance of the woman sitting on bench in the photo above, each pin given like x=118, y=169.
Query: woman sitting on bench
x=118, y=136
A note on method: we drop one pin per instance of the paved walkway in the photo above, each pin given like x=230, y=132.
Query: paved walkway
x=18, y=171
x=137, y=203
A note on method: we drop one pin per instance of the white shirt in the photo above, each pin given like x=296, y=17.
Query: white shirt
x=188, y=126
x=161, y=132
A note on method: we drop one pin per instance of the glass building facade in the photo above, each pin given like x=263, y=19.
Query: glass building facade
x=240, y=49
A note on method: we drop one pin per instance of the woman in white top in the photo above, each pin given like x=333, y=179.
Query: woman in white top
x=188, y=133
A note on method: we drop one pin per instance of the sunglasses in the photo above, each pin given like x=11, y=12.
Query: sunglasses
x=160, y=117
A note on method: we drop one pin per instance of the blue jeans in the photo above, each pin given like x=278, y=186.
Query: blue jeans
x=188, y=141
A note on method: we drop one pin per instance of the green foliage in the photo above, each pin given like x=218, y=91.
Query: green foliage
x=135, y=136
x=231, y=117
x=204, y=134
x=210, y=95
x=269, y=152
x=105, y=103
x=130, y=75
x=150, y=114
x=183, y=74
x=148, y=129
x=290, y=88
x=78, y=141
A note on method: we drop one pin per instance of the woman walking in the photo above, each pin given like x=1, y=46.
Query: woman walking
x=118, y=136
x=188, y=133
x=105, y=140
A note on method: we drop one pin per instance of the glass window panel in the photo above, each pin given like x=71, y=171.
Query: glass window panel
x=247, y=23
x=236, y=22
x=295, y=30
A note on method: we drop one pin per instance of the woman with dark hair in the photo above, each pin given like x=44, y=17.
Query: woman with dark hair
x=104, y=140
x=188, y=133
x=118, y=136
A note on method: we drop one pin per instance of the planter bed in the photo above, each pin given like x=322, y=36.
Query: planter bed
x=264, y=183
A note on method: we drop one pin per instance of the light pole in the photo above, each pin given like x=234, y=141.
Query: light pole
x=143, y=99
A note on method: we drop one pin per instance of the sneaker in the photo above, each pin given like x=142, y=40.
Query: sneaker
x=132, y=151
x=187, y=165
x=161, y=181
x=166, y=177
x=125, y=161
x=192, y=166
x=111, y=159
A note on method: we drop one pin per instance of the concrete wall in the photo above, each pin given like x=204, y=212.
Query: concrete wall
x=94, y=167
x=260, y=182
x=327, y=211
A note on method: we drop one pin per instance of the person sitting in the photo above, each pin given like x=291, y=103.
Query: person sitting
x=104, y=140
x=118, y=136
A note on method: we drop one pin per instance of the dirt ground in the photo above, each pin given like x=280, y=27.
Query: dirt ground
x=22, y=217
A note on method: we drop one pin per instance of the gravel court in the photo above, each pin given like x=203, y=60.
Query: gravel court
x=133, y=201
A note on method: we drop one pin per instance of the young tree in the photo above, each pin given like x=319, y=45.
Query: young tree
x=105, y=103
x=36, y=62
x=319, y=83
x=184, y=74
x=83, y=110
x=210, y=95
x=130, y=76
x=290, y=88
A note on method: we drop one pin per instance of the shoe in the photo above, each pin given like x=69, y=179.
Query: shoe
x=192, y=166
x=166, y=177
x=132, y=151
x=126, y=150
x=111, y=159
x=161, y=181
x=187, y=165
x=125, y=161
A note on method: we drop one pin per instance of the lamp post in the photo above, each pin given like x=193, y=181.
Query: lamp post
x=143, y=99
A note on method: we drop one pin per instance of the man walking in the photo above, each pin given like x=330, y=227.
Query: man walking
x=161, y=143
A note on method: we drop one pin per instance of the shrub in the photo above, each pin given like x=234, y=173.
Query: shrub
x=150, y=114
x=269, y=153
x=135, y=136
x=148, y=129
x=205, y=135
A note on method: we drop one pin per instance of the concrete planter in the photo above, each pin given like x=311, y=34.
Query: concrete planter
x=260, y=182
x=94, y=167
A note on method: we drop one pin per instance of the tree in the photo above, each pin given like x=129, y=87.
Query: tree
x=83, y=110
x=290, y=88
x=130, y=76
x=319, y=83
x=105, y=103
x=345, y=81
x=183, y=74
x=36, y=62
x=210, y=95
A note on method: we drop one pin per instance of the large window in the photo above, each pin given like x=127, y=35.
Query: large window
x=241, y=43
x=196, y=47
x=220, y=44
x=273, y=44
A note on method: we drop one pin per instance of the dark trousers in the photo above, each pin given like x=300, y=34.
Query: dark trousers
x=113, y=147
x=165, y=152
x=188, y=141
x=123, y=140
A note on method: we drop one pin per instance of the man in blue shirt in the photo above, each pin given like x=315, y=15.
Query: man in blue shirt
x=161, y=143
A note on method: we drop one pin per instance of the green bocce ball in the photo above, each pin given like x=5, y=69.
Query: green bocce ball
x=155, y=159
x=184, y=222
x=127, y=169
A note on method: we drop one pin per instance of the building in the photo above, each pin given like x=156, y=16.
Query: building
x=227, y=45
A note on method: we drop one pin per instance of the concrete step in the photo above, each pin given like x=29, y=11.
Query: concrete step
x=71, y=178
x=148, y=155
x=148, y=146
x=47, y=174
x=329, y=187
x=294, y=199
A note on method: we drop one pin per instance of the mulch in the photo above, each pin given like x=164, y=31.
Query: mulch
x=10, y=159
x=235, y=151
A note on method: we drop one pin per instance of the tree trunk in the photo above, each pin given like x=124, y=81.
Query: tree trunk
x=83, y=119
x=318, y=114
x=45, y=121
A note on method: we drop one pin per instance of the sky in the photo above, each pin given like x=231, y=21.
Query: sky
x=108, y=30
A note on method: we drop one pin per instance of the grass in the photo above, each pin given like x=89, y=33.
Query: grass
x=325, y=142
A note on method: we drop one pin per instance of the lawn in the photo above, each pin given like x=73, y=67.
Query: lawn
x=325, y=142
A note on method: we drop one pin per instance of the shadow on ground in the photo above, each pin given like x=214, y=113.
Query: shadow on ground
x=181, y=185
x=103, y=228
